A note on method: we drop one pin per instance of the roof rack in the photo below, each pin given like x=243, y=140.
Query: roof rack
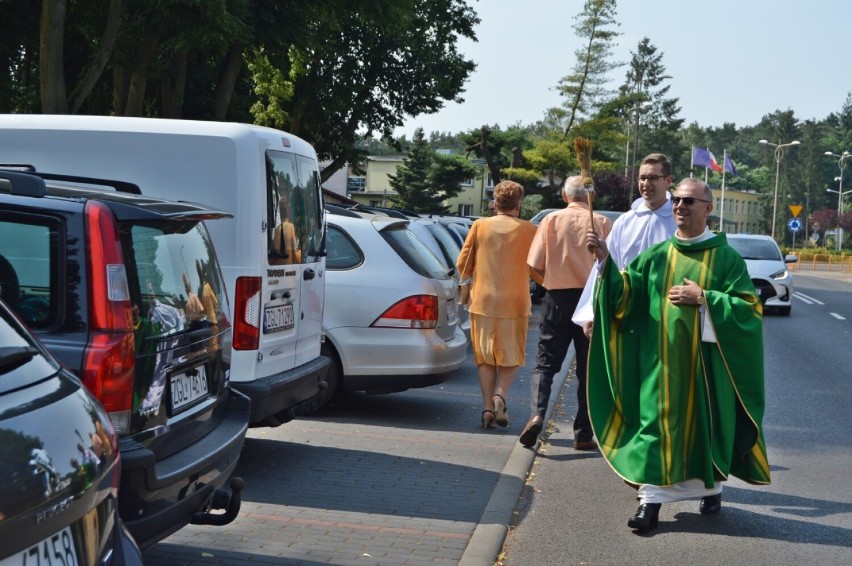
x=120, y=186
x=24, y=184
x=340, y=211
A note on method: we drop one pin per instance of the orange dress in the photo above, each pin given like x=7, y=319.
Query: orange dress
x=495, y=255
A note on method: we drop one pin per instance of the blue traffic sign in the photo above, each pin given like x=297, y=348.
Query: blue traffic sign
x=794, y=224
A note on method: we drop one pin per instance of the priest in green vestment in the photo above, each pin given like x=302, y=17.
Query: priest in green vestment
x=675, y=376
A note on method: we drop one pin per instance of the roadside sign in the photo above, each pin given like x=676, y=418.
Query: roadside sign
x=795, y=209
x=794, y=224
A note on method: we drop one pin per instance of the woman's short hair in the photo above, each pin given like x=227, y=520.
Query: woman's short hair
x=508, y=195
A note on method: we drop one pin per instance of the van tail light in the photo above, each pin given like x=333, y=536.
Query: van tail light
x=108, y=362
x=419, y=311
x=246, y=331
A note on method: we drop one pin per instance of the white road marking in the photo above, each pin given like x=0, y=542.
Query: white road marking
x=807, y=299
x=837, y=316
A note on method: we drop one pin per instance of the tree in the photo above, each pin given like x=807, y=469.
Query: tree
x=653, y=113
x=426, y=179
x=585, y=88
x=823, y=219
x=380, y=63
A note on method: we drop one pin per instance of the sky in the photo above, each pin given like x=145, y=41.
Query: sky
x=731, y=61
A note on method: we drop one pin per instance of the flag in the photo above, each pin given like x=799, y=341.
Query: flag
x=729, y=165
x=704, y=157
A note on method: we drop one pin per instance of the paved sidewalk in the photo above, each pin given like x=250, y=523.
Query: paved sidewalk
x=407, y=478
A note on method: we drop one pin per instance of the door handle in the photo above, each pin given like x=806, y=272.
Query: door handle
x=308, y=274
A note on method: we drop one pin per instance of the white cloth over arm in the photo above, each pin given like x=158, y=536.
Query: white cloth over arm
x=632, y=233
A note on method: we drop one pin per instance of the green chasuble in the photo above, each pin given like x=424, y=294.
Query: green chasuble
x=665, y=405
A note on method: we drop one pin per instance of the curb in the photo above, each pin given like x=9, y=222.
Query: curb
x=488, y=537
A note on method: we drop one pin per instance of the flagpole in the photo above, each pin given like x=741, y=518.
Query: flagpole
x=722, y=204
x=691, y=160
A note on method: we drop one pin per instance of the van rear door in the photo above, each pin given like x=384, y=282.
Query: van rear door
x=294, y=290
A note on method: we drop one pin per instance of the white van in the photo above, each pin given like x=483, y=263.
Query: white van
x=271, y=252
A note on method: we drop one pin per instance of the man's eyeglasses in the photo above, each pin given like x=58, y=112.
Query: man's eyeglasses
x=688, y=201
x=652, y=178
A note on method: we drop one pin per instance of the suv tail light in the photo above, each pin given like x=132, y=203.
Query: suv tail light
x=108, y=361
x=246, y=331
x=419, y=311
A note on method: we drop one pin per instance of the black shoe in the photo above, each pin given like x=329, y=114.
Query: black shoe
x=530, y=434
x=646, y=517
x=711, y=504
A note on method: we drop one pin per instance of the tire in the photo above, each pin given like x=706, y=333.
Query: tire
x=333, y=388
x=334, y=376
x=784, y=311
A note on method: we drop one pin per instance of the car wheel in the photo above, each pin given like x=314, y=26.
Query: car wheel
x=334, y=375
x=333, y=381
x=784, y=311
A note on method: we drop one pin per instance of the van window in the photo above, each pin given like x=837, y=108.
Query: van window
x=293, y=208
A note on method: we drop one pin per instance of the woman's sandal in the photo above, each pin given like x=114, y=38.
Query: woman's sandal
x=488, y=419
x=502, y=417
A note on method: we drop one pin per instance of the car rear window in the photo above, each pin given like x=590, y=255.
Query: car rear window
x=29, y=282
x=173, y=275
x=449, y=248
x=414, y=252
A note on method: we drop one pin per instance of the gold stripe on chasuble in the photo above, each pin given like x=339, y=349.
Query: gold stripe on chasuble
x=614, y=429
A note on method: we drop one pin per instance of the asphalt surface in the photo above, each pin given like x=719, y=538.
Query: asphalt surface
x=406, y=478
x=411, y=478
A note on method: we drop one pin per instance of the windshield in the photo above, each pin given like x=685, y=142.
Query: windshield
x=755, y=249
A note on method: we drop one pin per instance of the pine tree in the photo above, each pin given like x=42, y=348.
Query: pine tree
x=585, y=88
x=425, y=180
x=653, y=115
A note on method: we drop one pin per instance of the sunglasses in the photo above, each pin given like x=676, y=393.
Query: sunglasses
x=688, y=201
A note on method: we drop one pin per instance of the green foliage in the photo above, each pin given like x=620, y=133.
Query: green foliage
x=426, y=179
x=585, y=88
x=272, y=90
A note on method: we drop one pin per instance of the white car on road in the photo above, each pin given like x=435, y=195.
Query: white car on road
x=767, y=268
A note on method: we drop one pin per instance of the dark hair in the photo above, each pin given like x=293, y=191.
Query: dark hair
x=662, y=159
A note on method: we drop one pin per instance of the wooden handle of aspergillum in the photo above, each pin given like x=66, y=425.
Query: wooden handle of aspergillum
x=590, y=186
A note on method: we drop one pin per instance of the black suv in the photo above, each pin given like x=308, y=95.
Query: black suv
x=125, y=290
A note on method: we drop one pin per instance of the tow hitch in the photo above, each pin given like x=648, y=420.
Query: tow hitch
x=221, y=499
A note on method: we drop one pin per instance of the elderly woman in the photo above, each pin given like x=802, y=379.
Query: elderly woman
x=495, y=255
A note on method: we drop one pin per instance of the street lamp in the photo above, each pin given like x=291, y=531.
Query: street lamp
x=779, y=153
x=841, y=162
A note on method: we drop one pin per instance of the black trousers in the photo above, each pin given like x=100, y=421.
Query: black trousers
x=557, y=331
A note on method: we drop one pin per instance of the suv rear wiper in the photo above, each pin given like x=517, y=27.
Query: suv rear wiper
x=12, y=357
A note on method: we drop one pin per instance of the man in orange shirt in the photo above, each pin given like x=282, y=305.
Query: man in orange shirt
x=560, y=256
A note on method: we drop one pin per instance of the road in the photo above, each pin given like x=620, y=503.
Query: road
x=574, y=509
x=410, y=478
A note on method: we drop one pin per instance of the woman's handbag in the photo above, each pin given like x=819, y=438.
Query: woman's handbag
x=463, y=292
x=463, y=288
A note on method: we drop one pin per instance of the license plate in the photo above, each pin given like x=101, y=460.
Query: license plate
x=55, y=550
x=188, y=387
x=278, y=318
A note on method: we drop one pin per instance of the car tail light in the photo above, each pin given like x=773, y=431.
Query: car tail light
x=108, y=362
x=246, y=331
x=419, y=311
